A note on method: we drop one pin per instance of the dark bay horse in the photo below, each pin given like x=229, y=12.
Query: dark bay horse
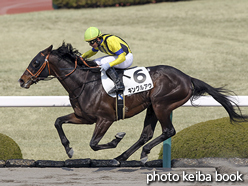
x=91, y=104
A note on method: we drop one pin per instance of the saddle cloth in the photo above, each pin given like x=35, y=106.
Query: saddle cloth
x=135, y=80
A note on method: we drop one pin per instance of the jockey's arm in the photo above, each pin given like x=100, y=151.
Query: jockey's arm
x=89, y=53
x=120, y=59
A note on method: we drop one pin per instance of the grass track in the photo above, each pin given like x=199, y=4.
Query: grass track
x=206, y=39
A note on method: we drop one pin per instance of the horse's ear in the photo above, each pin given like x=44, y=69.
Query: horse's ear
x=47, y=50
x=50, y=48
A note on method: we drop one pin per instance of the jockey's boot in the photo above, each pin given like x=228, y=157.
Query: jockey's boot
x=116, y=79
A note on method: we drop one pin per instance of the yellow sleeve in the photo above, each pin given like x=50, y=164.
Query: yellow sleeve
x=88, y=54
x=119, y=60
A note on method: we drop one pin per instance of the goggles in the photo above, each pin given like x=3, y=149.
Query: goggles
x=92, y=41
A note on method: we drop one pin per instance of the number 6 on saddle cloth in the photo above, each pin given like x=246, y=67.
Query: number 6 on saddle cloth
x=136, y=80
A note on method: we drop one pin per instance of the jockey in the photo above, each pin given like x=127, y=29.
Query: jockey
x=118, y=54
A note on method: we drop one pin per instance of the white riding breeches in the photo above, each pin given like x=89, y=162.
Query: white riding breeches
x=107, y=59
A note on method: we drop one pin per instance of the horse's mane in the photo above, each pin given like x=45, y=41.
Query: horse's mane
x=70, y=54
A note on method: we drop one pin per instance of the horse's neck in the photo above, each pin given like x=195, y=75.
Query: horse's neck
x=71, y=79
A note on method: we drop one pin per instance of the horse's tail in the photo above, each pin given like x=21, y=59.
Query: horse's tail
x=219, y=94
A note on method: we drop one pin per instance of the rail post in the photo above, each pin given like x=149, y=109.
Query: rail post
x=167, y=151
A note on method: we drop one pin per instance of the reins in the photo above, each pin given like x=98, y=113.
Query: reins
x=46, y=63
x=82, y=59
x=73, y=69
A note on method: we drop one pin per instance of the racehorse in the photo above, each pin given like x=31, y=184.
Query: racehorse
x=82, y=80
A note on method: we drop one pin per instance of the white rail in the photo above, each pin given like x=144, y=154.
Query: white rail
x=34, y=101
x=63, y=101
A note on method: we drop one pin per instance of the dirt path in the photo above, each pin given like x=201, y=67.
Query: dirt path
x=23, y=6
x=110, y=176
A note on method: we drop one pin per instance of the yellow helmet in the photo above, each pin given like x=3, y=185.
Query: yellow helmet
x=92, y=33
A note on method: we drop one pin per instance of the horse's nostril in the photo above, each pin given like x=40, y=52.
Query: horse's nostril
x=21, y=81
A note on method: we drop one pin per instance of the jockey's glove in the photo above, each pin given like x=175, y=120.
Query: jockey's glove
x=105, y=67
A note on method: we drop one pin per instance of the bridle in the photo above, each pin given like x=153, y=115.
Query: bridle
x=43, y=66
x=35, y=76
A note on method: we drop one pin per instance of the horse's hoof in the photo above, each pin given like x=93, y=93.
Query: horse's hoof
x=70, y=153
x=144, y=160
x=114, y=162
x=120, y=135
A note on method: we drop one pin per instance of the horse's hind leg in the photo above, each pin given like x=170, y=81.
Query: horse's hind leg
x=163, y=105
x=71, y=118
x=167, y=132
x=146, y=135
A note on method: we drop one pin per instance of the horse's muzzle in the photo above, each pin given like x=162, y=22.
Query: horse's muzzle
x=24, y=84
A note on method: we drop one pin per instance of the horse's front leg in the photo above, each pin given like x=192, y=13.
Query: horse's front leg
x=100, y=129
x=71, y=118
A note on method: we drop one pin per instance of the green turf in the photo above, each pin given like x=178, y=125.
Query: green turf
x=206, y=39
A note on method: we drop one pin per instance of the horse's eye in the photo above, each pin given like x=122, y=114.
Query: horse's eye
x=36, y=64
